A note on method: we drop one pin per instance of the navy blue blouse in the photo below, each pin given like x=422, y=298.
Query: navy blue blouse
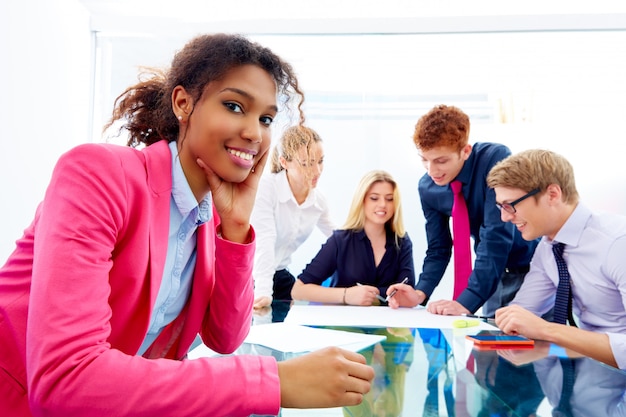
x=347, y=257
x=498, y=245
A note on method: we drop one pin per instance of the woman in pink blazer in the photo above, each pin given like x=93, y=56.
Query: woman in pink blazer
x=132, y=253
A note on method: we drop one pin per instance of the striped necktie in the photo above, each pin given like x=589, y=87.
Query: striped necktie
x=563, y=301
x=563, y=313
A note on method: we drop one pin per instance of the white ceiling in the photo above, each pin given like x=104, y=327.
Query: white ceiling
x=180, y=17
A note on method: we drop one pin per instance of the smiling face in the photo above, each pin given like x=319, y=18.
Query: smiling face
x=531, y=218
x=379, y=205
x=443, y=163
x=228, y=128
x=543, y=214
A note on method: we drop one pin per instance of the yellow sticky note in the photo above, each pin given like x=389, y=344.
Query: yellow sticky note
x=464, y=323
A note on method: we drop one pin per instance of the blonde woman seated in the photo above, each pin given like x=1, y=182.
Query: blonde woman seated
x=371, y=252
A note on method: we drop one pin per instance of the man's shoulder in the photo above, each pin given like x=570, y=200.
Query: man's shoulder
x=425, y=181
x=613, y=225
x=490, y=149
x=484, y=156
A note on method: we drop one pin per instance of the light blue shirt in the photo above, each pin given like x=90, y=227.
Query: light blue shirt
x=185, y=217
x=595, y=253
x=598, y=388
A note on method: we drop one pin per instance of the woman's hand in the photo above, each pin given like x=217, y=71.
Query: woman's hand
x=330, y=377
x=362, y=295
x=234, y=201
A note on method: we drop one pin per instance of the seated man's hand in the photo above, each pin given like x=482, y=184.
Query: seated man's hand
x=515, y=320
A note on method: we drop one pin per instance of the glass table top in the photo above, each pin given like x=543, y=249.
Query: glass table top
x=438, y=372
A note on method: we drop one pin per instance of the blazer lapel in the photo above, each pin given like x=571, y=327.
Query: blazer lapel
x=159, y=179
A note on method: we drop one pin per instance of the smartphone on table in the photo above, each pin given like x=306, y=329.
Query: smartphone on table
x=489, y=340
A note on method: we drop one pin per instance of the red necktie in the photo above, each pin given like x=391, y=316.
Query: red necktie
x=461, y=241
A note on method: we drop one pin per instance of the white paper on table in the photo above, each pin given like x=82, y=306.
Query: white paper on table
x=293, y=338
x=374, y=316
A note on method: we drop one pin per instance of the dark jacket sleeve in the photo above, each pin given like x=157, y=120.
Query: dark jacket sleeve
x=439, y=248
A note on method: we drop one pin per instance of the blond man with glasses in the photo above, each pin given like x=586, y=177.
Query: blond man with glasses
x=592, y=247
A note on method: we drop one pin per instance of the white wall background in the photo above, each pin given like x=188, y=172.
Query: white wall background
x=45, y=85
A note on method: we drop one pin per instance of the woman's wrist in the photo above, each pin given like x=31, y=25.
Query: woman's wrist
x=241, y=233
x=345, y=290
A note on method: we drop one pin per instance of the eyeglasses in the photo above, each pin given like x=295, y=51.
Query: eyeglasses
x=510, y=207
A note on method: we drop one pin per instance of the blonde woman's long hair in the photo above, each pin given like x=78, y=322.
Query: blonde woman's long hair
x=292, y=140
x=356, y=214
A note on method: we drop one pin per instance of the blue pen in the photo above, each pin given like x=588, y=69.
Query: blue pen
x=404, y=281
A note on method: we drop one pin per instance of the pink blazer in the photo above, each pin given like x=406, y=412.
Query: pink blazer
x=77, y=293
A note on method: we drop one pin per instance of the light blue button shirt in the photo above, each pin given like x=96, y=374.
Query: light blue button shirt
x=595, y=248
x=185, y=217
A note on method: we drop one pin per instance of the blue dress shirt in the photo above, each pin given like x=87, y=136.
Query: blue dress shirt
x=348, y=257
x=497, y=245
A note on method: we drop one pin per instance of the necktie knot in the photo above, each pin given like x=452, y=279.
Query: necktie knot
x=456, y=186
x=558, y=248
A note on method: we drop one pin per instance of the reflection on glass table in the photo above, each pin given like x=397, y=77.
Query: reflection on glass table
x=391, y=359
x=437, y=372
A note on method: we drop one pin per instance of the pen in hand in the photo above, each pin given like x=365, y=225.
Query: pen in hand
x=404, y=281
x=377, y=295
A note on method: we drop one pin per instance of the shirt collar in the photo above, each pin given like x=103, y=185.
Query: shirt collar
x=389, y=235
x=284, y=191
x=183, y=196
x=573, y=228
x=465, y=174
